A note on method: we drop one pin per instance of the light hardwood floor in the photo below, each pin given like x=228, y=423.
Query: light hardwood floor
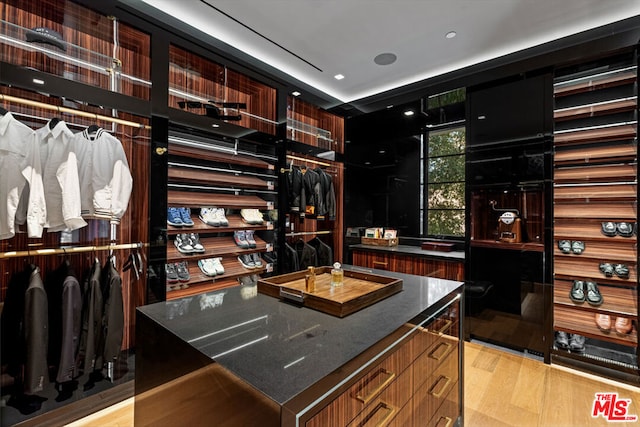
x=501, y=389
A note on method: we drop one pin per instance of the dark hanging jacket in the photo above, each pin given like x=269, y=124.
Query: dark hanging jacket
x=327, y=194
x=36, y=334
x=306, y=254
x=324, y=252
x=311, y=193
x=71, y=328
x=295, y=193
x=113, y=320
x=92, y=308
x=291, y=262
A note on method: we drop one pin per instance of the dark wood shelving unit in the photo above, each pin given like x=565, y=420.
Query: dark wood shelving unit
x=596, y=251
x=214, y=247
x=597, y=83
x=615, y=151
x=608, y=211
x=577, y=268
x=582, y=111
x=203, y=177
x=200, y=282
x=590, y=230
x=212, y=155
x=605, y=173
x=589, y=193
x=613, y=133
x=235, y=223
x=197, y=199
x=583, y=323
x=616, y=300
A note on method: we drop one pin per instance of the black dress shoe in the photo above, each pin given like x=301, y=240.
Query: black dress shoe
x=593, y=294
x=577, y=291
x=621, y=270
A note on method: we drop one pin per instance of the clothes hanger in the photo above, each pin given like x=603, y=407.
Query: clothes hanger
x=93, y=129
x=53, y=122
x=3, y=111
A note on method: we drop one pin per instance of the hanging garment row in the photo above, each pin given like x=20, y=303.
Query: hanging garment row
x=56, y=330
x=52, y=178
x=310, y=192
x=301, y=254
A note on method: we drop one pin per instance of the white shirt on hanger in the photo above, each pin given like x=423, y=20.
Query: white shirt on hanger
x=60, y=177
x=19, y=166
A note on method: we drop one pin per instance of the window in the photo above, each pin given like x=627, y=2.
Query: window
x=445, y=195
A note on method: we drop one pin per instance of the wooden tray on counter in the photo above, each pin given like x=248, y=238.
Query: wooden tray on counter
x=358, y=291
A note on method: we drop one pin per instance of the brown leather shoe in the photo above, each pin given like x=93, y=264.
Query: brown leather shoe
x=603, y=321
x=623, y=325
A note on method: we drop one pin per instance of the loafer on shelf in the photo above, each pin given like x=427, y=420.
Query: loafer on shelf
x=577, y=247
x=625, y=229
x=564, y=246
x=621, y=270
x=609, y=228
x=593, y=295
x=577, y=291
x=606, y=269
x=603, y=322
x=623, y=325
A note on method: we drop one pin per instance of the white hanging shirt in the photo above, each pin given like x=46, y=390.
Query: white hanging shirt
x=19, y=166
x=105, y=179
x=60, y=177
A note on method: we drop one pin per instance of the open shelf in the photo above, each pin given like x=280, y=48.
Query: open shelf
x=588, y=193
x=597, y=109
x=202, y=287
x=594, y=83
x=195, y=199
x=598, y=250
x=214, y=247
x=605, y=173
x=232, y=270
x=198, y=176
x=612, y=211
x=570, y=229
x=576, y=269
x=611, y=133
x=218, y=156
x=623, y=151
x=534, y=247
x=617, y=301
x=235, y=223
x=583, y=323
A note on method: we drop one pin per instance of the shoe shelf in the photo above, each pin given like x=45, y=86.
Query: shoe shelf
x=196, y=199
x=590, y=230
x=589, y=193
x=526, y=246
x=619, y=151
x=581, y=322
x=596, y=82
x=612, y=133
x=620, y=211
x=622, y=252
x=214, y=247
x=595, y=109
x=617, y=301
x=218, y=157
x=232, y=271
x=200, y=288
x=604, y=174
x=196, y=176
x=235, y=223
x=574, y=269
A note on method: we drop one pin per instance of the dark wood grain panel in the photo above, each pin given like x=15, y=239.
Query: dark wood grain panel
x=308, y=114
x=590, y=193
x=613, y=151
x=421, y=266
x=582, y=111
x=194, y=199
x=614, y=133
x=584, y=85
x=574, y=269
x=613, y=211
x=583, y=323
x=194, y=176
x=602, y=173
x=218, y=156
x=617, y=301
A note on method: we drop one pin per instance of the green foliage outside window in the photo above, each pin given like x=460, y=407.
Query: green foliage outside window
x=445, y=183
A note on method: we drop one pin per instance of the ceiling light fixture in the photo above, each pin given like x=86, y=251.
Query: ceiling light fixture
x=451, y=34
x=381, y=151
x=409, y=113
x=38, y=81
x=296, y=93
x=390, y=106
x=367, y=163
x=338, y=77
x=215, y=125
x=386, y=58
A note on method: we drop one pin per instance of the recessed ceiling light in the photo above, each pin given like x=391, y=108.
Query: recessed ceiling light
x=381, y=151
x=451, y=34
x=409, y=113
x=38, y=81
x=367, y=163
x=385, y=58
x=390, y=106
x=215, y=125
x=338, y=77
x=296, y=93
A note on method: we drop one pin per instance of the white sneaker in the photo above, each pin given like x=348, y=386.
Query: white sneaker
x=207, y=266
x=219, y=214
x=217, y=264
x=208, y=216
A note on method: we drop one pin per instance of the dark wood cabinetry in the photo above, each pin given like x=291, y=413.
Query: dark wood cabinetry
x=410, y=264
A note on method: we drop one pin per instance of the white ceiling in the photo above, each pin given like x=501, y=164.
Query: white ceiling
x=313, y=40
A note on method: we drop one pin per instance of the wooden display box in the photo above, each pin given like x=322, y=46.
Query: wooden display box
x=358, y=291
x=379, y=242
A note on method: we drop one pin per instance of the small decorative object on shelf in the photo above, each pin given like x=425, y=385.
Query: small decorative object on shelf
x=337, y=275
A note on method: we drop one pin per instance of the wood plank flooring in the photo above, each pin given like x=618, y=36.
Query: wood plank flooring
x=501, y=389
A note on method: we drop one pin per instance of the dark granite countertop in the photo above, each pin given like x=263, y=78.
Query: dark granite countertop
x=413, y=250
x=282, y=349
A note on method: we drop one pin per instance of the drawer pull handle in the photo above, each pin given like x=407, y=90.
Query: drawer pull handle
x=391, y=411
x=366, y=399
x=439, y=394
x=445, y=345
x=447, y=323
x=380, y=263
x=447, y=422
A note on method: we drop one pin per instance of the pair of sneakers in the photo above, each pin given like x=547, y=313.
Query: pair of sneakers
x=214, y=217
x=188, y=243
x=244, y=239
x=252, y=216
x=177, y=272
x=179, y=217
x=211, y=266
x=250, y=261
